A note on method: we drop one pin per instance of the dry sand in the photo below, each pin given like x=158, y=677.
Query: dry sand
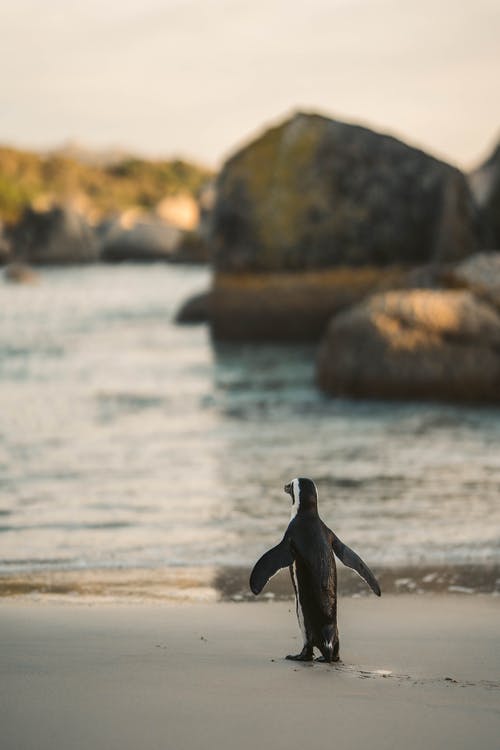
x=417, y=672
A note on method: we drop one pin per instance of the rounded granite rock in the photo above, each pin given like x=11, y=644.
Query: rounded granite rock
x=414, y=344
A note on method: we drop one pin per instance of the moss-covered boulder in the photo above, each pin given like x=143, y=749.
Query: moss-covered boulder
x=317, y=193
x=414, y=344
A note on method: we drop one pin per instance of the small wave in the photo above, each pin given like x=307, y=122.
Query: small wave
x=67, y=526
x=353, y=482
x=132, y=401
x=229, y=583
x=127, y=315
x=33, y=350
x=38, y=562
x=112, y=406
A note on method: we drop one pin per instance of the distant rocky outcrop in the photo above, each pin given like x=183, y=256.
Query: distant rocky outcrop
x=485, y=183
x=414, y=344
x=107, y=182
x=20, y=273
x=317, y=193
x=56, y=236
x=145, y=240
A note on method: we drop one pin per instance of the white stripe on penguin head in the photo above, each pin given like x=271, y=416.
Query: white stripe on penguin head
x=296, y=497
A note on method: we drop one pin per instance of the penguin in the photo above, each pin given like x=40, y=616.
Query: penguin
x=307, y=549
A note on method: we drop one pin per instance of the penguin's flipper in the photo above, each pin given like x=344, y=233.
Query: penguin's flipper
x=352, y=560
x=276, y=558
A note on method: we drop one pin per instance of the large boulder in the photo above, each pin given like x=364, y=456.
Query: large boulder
x=289, y=306
x=485, y=184
x=56, y=236
x=197, y=309
x=317, y=193
x=146, y=240
x=298, y=306
x=414, y=344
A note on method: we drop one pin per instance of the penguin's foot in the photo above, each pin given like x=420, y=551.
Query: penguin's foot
x=305, y=655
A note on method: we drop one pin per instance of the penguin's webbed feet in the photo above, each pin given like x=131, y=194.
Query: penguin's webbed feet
x=305, y=655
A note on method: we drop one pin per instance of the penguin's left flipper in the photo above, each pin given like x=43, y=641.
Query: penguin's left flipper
x=276, y=558
x=352, y=560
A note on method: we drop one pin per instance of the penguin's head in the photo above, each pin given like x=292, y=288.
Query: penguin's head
x=303, y=493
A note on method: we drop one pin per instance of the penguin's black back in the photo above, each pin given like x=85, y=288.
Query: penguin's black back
x=315, y=567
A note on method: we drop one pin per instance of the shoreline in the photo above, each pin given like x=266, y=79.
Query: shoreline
x=416, y=671
x=230, y=583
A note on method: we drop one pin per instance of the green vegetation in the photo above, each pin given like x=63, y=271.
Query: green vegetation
x=279, y=171
x=26, y=177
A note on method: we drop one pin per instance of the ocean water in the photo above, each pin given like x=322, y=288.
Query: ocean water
x=130, y=443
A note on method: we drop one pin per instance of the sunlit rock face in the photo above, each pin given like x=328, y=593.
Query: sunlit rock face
x=179, y=211
x=317, y=193
x=414, y=344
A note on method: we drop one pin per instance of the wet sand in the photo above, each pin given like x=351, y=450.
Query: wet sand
x=417, y=672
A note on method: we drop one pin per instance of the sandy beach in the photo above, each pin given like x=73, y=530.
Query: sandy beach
x=417, y=672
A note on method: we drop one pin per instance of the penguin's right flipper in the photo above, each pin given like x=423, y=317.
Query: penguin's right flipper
x=276, y=558
x=352, y=560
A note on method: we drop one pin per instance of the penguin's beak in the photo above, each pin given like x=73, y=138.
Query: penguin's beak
x=288, y=488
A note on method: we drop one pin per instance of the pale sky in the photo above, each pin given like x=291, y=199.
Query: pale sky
x=196, y=78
